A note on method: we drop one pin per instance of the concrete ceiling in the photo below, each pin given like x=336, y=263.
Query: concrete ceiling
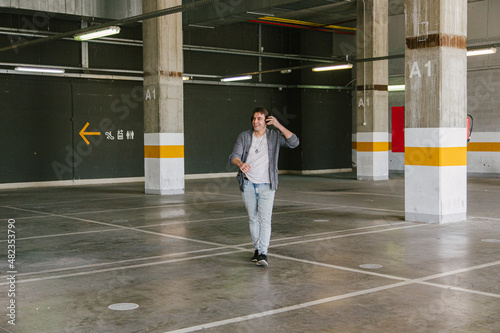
x=318, y=11
x=325, y=12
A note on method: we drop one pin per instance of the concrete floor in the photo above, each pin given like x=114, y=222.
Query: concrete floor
x=185, y=260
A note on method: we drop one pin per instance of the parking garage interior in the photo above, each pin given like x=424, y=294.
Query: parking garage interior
x=354, y=247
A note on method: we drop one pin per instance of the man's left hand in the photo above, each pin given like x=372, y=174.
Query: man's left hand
x=273, y=121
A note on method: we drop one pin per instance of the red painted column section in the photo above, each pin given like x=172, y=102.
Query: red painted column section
x=398, y=129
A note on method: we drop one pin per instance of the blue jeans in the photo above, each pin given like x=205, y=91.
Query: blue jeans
x=259, y=201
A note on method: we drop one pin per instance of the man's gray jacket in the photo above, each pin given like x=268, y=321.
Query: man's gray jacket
x=275, y=140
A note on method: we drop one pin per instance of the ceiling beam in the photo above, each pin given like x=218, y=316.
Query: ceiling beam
x=125, y=21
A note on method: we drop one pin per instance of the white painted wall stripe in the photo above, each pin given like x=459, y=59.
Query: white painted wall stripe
x=485, y=137
x=483, y=162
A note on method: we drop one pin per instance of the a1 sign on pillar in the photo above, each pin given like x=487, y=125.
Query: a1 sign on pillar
x=150, y=94
x=416, y=71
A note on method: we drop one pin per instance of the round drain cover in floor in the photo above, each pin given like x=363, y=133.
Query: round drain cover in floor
x=321, y=220
x=371, y=266
x=491, y=240
x=123, y=306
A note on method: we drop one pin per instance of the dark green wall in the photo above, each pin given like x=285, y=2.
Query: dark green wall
x=41, y=121
x=42, y=116
x=35, y=127
x=215, y=115
x=326, y=130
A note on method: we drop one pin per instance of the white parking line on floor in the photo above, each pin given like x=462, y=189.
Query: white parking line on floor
x=65, y=234
x=121, y=268
x=484, y=218
x=147, y=226
x=349, y=235
x=87, y=200
x=300, y=306
x=239, y=247
x=285, y=309
x=229, y=218
x=404, y=281
x=328, y=205
x=335, y=232
x=458, y=271
x=46, y=214
x=121, y=262
x=352, y=193
x=470, y=291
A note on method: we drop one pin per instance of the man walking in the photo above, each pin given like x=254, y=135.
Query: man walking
x=256, y=153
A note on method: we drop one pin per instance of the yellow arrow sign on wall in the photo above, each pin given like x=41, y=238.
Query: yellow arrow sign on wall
x=83, y=133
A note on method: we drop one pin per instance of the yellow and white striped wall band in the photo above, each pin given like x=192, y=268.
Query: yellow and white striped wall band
x=483, y=152
x=484, y=142
x=438, y=147
x=372, y=142
x=484, y=146
x=164, y=145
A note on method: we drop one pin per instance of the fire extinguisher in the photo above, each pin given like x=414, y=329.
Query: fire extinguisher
x=470, y=124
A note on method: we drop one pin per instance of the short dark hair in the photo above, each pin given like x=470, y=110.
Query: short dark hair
x=262, y=110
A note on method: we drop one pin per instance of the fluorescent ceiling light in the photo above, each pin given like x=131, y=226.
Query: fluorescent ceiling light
x=332, y=68
x=186, y=78
x=396, y=87
x=40, y=70
x=98, y=33
x=236, y=78
x=260, y=14
x=192, y=76
x=201, y=26
x=475, y=52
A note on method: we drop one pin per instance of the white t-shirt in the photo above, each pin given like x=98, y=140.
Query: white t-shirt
x=258, y=159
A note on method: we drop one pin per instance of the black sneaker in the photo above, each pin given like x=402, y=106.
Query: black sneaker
x=255, y=256
x=262, y=260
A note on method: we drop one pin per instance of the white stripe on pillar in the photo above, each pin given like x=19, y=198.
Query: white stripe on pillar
x=164, y=163
x=372, y=156
x=435, y=175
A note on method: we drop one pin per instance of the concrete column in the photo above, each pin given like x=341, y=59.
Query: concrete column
x=163, y=100
x=435, y=114
x=372, y=155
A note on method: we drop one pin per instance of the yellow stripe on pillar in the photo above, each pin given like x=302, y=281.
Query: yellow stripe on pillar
x=484, y=146
x=372, y=146
x=163, y=151
x=436, y=156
